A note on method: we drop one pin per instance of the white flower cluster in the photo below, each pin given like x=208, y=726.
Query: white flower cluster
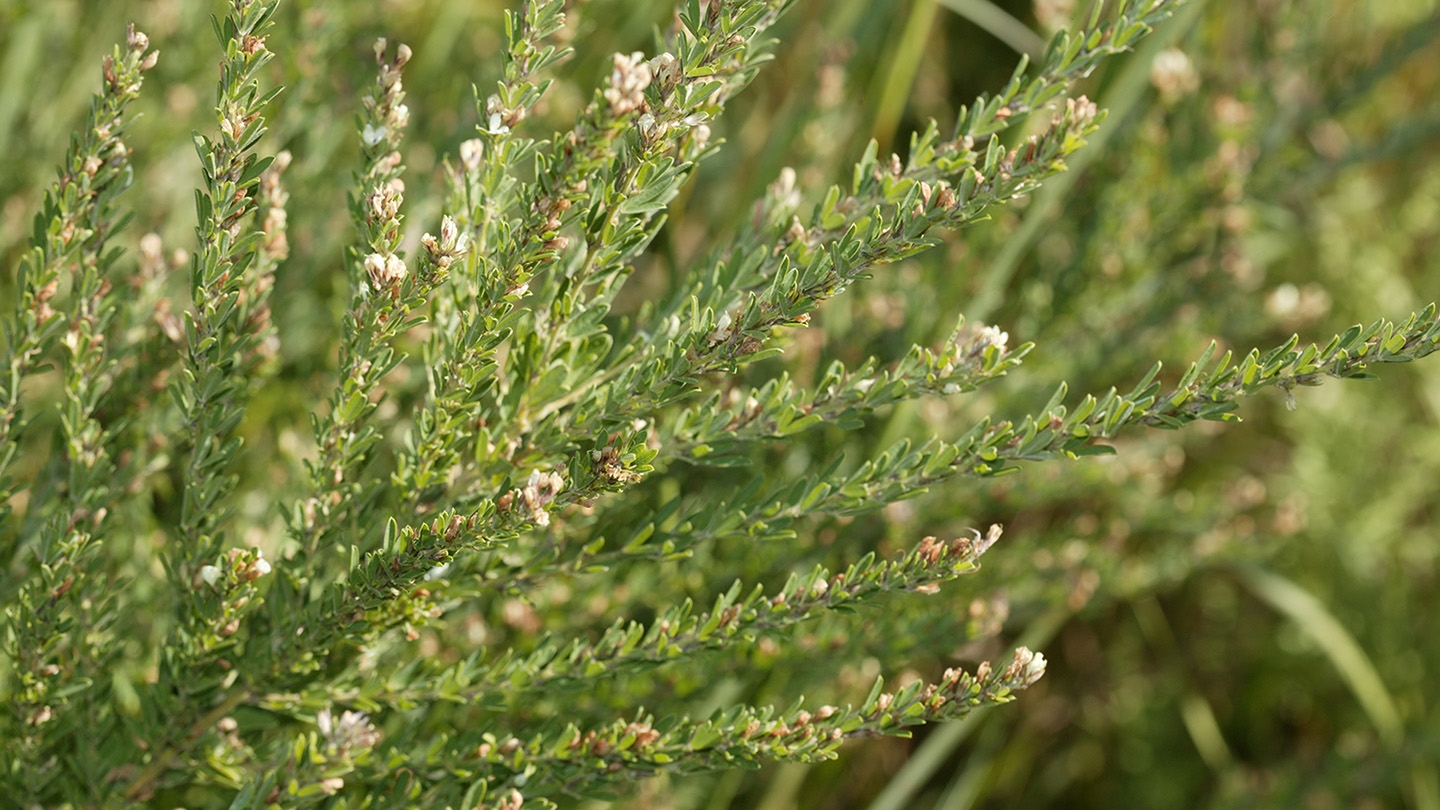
x=992, y=336
x=1027, y=668
x=628, y=79
x=452, y=244
x=386, y=270
x=539, y=491
x=969, y=353
x=350, y=732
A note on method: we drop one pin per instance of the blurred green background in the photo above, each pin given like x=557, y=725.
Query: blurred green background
x=1237, y=616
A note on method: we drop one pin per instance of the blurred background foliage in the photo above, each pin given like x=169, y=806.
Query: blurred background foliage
x=1236, y=616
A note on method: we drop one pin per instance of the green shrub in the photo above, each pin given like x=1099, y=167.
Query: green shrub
x=583, y=504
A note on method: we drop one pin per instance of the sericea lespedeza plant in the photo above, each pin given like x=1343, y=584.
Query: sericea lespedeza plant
x=290, y=675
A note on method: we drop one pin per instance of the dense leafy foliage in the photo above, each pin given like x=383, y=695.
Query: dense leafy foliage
x=316, y=512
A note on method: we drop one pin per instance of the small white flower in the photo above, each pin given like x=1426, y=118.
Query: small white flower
x=373, y=134
x=1032, y=665
x=722, y=330
x=471, y=153
x=983, y=544
x=993, y=336
x=629, y=77
x=261, y=567
x=385, y=271
x=538, y=492
x=784, y=190
x=950, y=388
x=352, y=730
x=702, y=135
x=448, y=231
x=211, y=574
x=496, y=125
x=666, y=68
x=395, y=267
